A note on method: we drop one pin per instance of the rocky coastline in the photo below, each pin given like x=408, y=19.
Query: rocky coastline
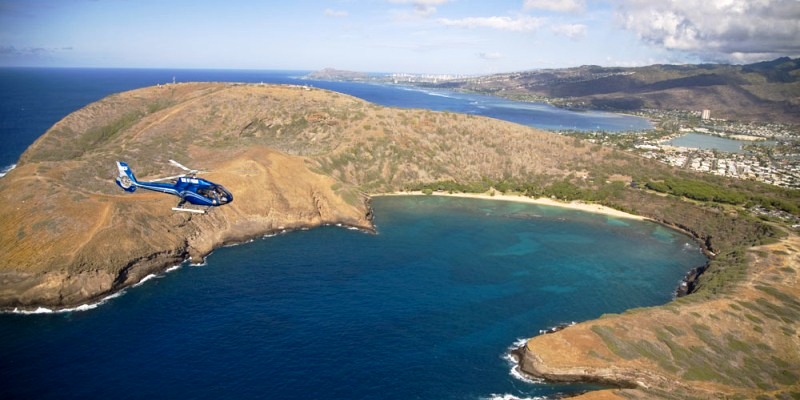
x=77, y=290
x=52, y=292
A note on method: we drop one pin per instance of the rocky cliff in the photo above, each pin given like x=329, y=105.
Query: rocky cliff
x=743, y=343
x=70, y=236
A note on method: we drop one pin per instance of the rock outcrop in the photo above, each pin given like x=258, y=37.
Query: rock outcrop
x=741, y=344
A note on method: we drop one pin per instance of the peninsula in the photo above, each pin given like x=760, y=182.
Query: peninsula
x=297, y=157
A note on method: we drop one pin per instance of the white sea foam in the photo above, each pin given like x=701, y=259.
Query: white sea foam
x=200, y=264
x=556, y=328
x=512, y=397
x=90, y=306
x=82, y=307
x=145, y=279
x=40, y=310
x=7, y=169
x=173, y=268
x=86, y=307
x=521, y=376
x=513, y=362
x=276, y=233
x=519, y=343
x=239, y=243
x=440, y=94
x=690, y=248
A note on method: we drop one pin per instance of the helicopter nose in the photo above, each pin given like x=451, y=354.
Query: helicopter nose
x=226, y=197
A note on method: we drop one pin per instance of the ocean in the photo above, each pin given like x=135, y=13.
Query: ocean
x=427, y=308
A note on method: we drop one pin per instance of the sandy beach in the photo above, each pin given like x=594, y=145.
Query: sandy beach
x=574, y=205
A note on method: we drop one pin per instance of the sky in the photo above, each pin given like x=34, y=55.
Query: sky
x=413, y=36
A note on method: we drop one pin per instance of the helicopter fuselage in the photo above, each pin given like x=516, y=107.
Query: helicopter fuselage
x=193, y=190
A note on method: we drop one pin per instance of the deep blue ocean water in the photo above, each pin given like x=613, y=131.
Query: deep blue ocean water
x=33, y=99
x=427, y=308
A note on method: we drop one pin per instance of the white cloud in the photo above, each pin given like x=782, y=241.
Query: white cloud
x=423, y=8
x=555, y=5
x=491, y=56
x=336, y=13
x=717, y=30
x=520, y=24
x=572, y=31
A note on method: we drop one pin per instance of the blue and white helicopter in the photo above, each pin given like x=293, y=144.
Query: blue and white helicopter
x=187, y=186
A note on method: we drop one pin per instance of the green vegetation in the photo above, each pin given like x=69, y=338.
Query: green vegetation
x=66, y=144
x=724, y=192
x=724, y=271
x=697, y=190
x=159, y=105
x=96, y=136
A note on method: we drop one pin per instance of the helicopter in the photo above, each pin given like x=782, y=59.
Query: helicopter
x=187, y=186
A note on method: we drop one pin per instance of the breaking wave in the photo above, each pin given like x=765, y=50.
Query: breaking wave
x=512, y=397
x=82, y=307
x=89, y=306
x=7, y=169
x=513, y=362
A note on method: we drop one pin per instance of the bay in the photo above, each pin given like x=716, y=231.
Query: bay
x=427, y=308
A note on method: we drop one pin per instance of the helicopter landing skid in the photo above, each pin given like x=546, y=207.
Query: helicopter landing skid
x=189, y=210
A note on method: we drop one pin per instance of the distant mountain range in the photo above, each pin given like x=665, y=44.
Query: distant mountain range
x=766, y=91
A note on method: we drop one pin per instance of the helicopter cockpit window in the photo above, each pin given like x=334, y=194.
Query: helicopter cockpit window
x=219, y=193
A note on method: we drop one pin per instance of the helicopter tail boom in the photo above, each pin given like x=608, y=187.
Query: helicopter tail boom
x=126, y=180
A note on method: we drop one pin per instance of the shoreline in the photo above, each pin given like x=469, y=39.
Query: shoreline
x=92, y=302
x=542, y=201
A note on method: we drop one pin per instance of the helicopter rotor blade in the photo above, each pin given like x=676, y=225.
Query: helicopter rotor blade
x=168, y=178
x=179, y=165
x=189, y=171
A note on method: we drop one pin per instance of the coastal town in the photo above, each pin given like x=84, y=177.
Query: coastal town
x=767, y=152
x=764, y=152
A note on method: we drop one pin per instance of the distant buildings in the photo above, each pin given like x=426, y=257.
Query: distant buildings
x=705, y=115
x=776, y=163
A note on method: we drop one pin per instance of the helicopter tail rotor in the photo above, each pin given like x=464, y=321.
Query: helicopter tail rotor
x=126, y=180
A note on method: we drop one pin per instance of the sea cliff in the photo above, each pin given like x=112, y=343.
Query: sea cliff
x=71, y=237
x=737, y=344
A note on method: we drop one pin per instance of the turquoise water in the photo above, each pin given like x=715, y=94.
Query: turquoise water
x=426, y=308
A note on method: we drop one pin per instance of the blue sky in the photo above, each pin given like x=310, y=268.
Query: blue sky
x=416, y=36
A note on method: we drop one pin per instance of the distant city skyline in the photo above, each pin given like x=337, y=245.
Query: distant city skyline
x=410, y=36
